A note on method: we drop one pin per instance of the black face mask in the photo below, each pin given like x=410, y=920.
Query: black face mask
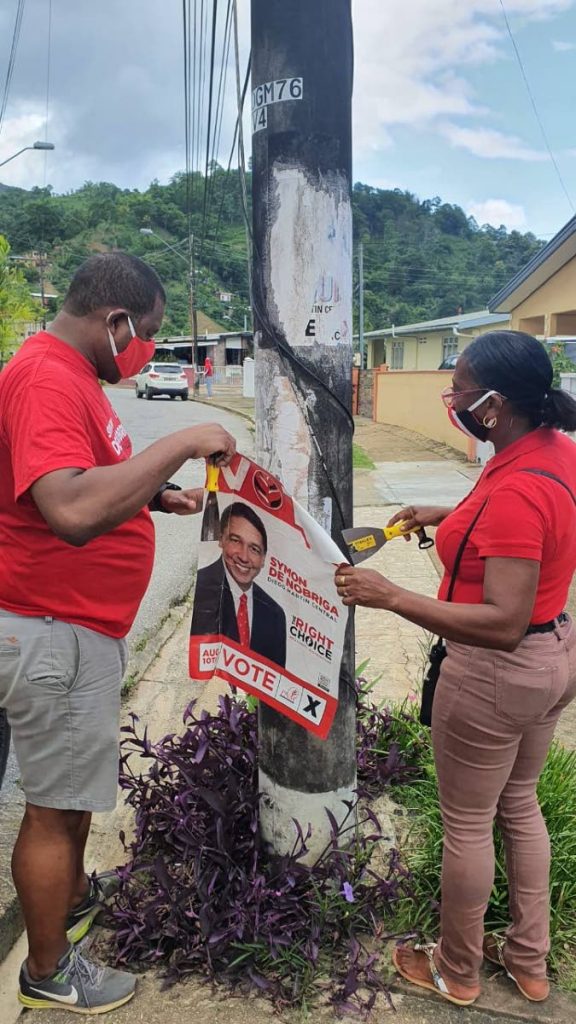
x=467, y=422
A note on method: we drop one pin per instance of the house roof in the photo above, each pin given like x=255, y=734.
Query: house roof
x=481, y=318
x=203, y=339
x=49, y=291
x=543, y=265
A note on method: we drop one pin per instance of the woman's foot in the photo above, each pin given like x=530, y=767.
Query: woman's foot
x=416, y=964
x=534, y=989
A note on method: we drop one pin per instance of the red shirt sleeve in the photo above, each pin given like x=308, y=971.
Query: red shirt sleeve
x=46, y=430
x=513, y=524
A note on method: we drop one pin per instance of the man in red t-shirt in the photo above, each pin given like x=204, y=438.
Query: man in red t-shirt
x=208, y=376
x=76, y=553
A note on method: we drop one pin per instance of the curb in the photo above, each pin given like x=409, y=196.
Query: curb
x=11, y=920
x=139, y=661
x=226, y=408
x=498, y=1001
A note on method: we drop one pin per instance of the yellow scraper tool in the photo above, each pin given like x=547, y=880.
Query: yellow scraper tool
x=365, y=541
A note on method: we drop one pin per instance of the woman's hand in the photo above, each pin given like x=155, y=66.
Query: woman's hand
x=419, y=515
x=364, y=587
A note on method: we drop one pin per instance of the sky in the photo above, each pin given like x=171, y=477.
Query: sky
x=441, y=107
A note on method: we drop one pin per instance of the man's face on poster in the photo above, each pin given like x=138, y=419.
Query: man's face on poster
x=243, y=551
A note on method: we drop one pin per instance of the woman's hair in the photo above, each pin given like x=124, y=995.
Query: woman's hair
x=519, y=368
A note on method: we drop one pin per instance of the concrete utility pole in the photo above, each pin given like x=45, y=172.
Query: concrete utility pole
x=42, y=262
x=302, y=283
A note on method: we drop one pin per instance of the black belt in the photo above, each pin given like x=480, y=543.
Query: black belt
x=547, y=627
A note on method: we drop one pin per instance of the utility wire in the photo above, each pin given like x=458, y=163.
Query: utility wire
x=48, y=71
x=220, y=102
x=209, y=125
x=226, y=177
x=12, y=58
x=535, y=109
x=241, y=154
x=202, y=75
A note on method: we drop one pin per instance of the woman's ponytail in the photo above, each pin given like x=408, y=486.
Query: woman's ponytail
x=559, y=410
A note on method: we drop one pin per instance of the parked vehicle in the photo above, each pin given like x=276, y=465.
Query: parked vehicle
x=450, y=362
x=162, y=379
x=4, y=743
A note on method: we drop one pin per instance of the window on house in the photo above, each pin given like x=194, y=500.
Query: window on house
x=397, y=362
x=449, y=347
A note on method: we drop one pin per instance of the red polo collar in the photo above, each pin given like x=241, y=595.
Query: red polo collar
x=542, y=437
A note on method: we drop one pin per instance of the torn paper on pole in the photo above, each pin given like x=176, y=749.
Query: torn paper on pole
x=267, y=617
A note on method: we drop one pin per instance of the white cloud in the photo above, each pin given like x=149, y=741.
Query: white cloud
x=497, y=212
x=122, y=121
x=19, y=131
x=411, y=60
x=492, y=145
x=561, y=47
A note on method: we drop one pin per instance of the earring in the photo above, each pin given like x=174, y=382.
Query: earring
x=490, y=424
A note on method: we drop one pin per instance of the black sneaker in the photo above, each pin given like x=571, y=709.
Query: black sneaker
x=81, y=918
x=78, y=985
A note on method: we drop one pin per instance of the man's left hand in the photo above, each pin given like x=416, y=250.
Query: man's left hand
x=183, y=503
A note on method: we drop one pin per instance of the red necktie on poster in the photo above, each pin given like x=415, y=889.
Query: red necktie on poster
x=242, y=620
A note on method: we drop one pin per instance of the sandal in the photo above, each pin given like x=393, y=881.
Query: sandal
x=536, y=990
x=437, y=983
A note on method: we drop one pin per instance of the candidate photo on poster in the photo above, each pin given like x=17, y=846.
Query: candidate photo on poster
x=228, y=602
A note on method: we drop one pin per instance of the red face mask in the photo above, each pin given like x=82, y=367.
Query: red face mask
x=137, y=353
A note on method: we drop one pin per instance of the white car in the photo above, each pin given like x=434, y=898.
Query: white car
x=162, y=379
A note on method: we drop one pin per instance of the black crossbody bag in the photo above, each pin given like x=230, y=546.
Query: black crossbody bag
x=438, y=649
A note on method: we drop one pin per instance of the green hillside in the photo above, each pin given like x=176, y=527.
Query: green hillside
x=423, y=259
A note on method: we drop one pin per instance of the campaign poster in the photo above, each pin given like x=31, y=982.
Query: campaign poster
x=267, y=617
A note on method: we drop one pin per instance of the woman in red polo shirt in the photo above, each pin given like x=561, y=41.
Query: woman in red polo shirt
x=510, y=667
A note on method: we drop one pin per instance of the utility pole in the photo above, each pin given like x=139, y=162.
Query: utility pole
x=361, y=302
x=41, y=268
x=302, y=286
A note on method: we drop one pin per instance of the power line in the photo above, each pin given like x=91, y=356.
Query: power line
x=48, y=71
x=209, y=125
x=12, y=58
x=202, y=74
x=226, y=177
x=241, y=155
x=535, y=109
x=220, y=100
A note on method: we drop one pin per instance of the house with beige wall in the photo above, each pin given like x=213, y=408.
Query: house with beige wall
x=541, y=298
x=425, y=345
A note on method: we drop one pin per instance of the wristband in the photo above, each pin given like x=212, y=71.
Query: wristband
x=156, y=504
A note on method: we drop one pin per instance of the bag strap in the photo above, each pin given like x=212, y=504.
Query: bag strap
x=460, y=551
x=551, y=476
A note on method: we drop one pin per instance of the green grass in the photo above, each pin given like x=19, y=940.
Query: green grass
x=361, y=459
x=422, y=848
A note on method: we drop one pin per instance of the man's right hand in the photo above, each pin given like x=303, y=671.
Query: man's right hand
x=212, y=439
x=414, y=516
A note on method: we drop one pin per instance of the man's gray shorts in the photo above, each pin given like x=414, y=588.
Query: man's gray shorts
x=60, y=685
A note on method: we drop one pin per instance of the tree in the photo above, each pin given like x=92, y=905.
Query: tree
x=17, y=308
